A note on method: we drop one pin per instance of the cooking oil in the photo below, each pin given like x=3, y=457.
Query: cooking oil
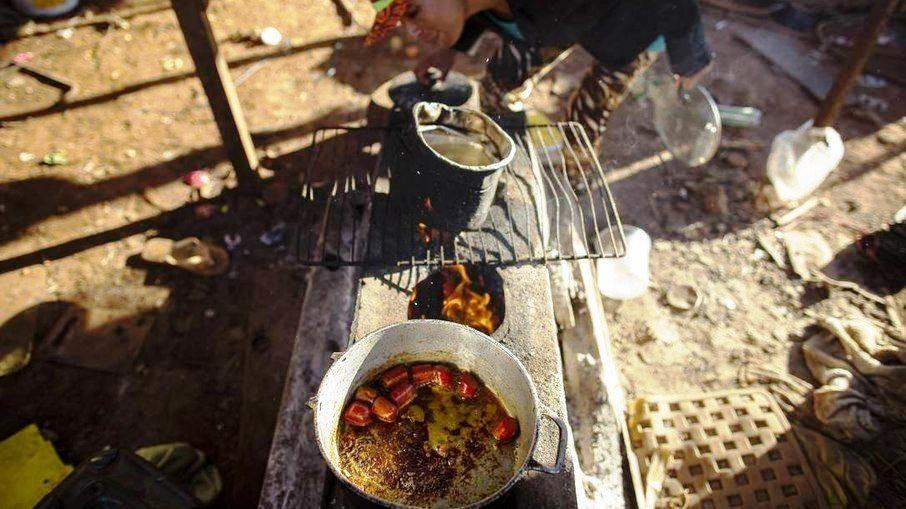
x=464, y=148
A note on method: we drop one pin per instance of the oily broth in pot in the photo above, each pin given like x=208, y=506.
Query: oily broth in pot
x=439, y=453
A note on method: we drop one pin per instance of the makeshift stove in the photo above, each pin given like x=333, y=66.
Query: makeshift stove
x=378, y=264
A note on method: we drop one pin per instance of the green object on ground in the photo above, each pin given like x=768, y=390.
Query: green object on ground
x=380, y=5
x=187, y=466
x=29, y=469
x=55, y=158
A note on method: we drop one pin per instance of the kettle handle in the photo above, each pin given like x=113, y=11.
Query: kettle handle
x=563, y=431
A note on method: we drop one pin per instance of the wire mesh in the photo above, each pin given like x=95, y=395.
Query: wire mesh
x=552, y=204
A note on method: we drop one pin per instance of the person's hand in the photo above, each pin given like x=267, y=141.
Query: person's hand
x=441, y=60
x=689, y=82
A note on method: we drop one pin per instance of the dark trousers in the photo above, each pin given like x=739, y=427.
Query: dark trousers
x=600, y=93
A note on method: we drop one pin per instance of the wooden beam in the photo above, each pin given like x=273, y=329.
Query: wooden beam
x=211, y=68
x=833, y=103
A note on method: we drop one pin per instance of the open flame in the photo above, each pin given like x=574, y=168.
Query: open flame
x=424, y=233
x=462, y=304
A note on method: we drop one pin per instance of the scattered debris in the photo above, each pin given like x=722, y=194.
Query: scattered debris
x=871, y=81
x=796, y=213
x=169, y=196
x=869, y=116
x=104, y=339
x=26, y=157
x=729, y=303
x=270, y=36
x=191, y=254
x=66, y=33
x=715, y=200
x=847, y=285
x=789, y=391
x=187, y=466
x=23, y=57
x=232, y=241
x=657, y=474
x=684, y=297
x=869, y=102
x=275, y=235
x=55, y=158
x=772, y=247
x=661, y=330
x=202, y=181
x=808, y=252
x=742, y=144
x=206, y=210
x=33, y=29
x=735, y=159
x=170, y=63
x=894, y=315
x=17, y=341
x=900, y=216
x=739, y=116
x=892, y=134
x=248, y=73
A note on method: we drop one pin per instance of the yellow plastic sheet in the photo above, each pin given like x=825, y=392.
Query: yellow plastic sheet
x=29, y=469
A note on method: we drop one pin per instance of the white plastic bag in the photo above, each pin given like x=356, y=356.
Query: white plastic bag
x=800, y=160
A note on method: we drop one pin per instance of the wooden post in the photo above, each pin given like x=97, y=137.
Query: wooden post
x=833, y=103
x=212, y=70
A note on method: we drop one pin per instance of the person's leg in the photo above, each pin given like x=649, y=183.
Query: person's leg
x=511, y=65
x=602, y=91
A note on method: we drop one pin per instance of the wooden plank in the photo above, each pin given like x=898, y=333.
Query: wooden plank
x=268, y=345
x=789, y=54
x=211, y=68
x=833, y=103
x=296, y=473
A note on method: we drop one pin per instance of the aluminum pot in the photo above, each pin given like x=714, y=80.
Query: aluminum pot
x=440, y=341
x=460, y=193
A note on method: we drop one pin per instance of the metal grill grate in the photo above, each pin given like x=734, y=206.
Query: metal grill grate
x=553, y=203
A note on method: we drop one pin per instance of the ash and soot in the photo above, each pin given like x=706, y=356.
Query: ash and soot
x=464, y=294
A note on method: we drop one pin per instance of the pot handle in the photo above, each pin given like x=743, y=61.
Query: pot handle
x=534, y=464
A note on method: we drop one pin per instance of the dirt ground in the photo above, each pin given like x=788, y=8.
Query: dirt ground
x=210, y=369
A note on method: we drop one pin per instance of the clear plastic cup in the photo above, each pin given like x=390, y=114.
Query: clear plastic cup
x=626, y=277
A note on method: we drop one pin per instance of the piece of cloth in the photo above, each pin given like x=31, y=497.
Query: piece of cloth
x=188, y=467
x=862, y=376
x=29, y=469
x=507, y=26
x=613, y=31
x=602, y=91
x=389, y=15
x=846, y=478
